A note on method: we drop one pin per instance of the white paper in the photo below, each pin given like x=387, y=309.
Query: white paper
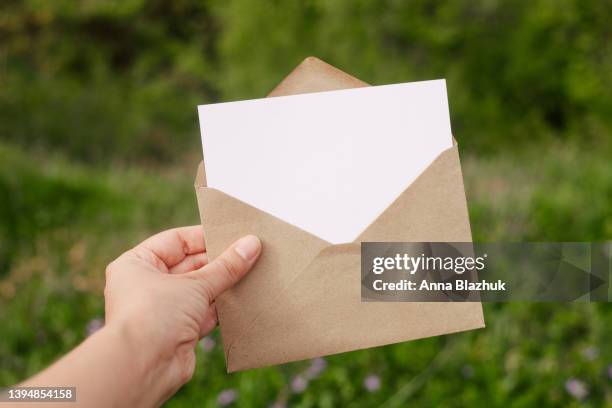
x=330, y=162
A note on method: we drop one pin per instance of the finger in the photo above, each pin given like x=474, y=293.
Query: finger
x=190, y=263
x=229, y=267
x=170, y=247
x=210, y=320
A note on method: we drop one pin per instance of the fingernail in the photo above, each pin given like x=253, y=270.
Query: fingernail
x=248, y=247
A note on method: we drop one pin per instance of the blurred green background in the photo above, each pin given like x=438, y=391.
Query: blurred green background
x=99, y=142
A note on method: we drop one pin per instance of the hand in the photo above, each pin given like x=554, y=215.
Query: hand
x=161, y=295
x=159, y=301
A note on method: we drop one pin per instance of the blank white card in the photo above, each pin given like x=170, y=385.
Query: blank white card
x=330, y=162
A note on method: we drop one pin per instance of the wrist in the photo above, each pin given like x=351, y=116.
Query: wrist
x=148, y=379
x=127, y=373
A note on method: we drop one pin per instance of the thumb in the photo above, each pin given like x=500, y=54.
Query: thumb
x=229, y=267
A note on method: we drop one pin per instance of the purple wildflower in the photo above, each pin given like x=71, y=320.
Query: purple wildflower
x=317, y=366
x=610, y=372
x=576, y=388
x=372, y=383
x=227, y=397
x=299, y=384
x=93, y=326
x=207, y=343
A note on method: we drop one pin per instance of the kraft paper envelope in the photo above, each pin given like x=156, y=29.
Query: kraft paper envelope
x=303, y=297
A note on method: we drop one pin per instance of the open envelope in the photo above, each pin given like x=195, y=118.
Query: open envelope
x=303, y=297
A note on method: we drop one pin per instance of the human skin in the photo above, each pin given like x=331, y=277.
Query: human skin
x=159, y=301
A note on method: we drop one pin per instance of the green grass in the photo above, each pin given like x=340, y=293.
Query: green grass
x=61, y=223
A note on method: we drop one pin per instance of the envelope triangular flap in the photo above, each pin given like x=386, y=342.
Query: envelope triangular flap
x=314, y=75
x=303, y=297
x=433, y=208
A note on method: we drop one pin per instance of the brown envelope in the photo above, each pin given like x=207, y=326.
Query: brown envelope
x=303, y=298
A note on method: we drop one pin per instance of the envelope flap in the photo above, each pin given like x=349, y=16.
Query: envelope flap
x=314, y=75
x=432, y=209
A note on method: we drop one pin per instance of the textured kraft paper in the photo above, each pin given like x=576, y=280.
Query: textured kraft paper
x=303, y=298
